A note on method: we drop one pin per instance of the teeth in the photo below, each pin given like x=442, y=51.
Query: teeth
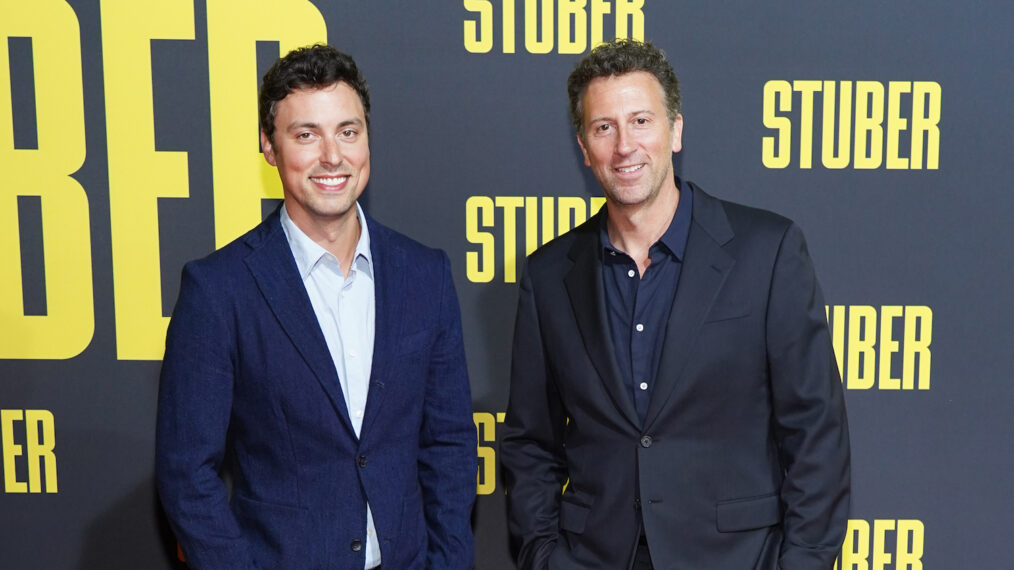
x=631, y=168
x=330, y=181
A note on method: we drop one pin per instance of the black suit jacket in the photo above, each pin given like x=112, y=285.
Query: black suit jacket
x=743, y=459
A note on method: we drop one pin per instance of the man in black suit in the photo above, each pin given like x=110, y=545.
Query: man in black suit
x=672, y=371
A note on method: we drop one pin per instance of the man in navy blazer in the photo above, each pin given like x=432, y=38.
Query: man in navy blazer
x=674, y=401
x=318, y=360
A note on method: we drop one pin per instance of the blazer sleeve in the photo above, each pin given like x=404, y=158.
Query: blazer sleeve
x=195, y=402
x=447, y=441
x=531, y=448
x=809, y=412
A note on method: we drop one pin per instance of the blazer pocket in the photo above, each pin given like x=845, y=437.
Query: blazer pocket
x=275, y=532
x=748, y=514
x=248, y=505
x=573, y=516
x=729, y=310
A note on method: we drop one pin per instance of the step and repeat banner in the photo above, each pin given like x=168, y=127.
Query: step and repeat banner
x=129, y=145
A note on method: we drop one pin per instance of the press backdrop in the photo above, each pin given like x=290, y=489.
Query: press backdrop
x=128, y=145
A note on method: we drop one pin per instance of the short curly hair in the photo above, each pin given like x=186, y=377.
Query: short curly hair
x=310, y=67
x=620, y=57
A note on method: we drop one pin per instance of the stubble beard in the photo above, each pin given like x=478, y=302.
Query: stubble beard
x=637, y=195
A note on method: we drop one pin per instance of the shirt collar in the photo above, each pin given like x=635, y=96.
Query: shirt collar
x=675, y=236
x=308, y=253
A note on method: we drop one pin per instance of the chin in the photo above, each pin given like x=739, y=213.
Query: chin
x=630, y=198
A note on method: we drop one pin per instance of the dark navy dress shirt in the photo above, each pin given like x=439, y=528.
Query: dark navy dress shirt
x=638, y=307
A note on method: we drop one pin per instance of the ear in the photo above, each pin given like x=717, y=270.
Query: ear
x=580, y=143
x=677, y=133
x=269, y=150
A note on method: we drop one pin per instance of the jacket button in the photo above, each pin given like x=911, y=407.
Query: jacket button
x=637, y=504
x=645, y=441
x=362, y=461
x=357, y=545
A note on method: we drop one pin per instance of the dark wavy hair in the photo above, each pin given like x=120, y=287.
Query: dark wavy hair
x=311, y=67
x=620, y=57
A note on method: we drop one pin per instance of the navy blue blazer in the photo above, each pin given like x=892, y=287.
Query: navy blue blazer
x=248, y=385
x=742, y=461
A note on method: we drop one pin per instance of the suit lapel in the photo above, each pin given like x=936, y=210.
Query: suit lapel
x=588, y=301
x=704, y=271
x=274, y=270
x=389, y=288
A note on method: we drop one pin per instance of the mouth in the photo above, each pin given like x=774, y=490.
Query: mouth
x=330, y=180
x=629, y=169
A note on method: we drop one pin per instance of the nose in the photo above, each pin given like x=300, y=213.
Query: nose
x=330, y=153
x=624, y=141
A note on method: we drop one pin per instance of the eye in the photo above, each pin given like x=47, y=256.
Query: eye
x=603, y=128
x=641, y=121
x=304, y=136
x=348, y=133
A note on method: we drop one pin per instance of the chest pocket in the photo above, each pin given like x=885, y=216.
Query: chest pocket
x=727, y=310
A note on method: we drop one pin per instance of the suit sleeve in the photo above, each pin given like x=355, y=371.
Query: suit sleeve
x=447, y=441
x=809, y=412
x=195, y=402
x=531, y=448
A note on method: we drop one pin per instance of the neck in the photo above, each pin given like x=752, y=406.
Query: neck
x=641, y=225
x=635, y=228
x=338, y=236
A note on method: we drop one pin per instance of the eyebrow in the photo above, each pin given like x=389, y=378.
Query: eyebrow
x=630, y=114
x=311, y=125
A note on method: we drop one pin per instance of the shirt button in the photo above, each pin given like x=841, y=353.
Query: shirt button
x=644, y=385
x=356, y=545
x=639, y=327
x=352, y=354
x=631, y=273
x=359, y=413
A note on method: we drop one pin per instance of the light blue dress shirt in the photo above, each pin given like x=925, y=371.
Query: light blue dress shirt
x=345, y=306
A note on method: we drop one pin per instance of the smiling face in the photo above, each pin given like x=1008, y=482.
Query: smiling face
x=627, y=138
x=322, y=153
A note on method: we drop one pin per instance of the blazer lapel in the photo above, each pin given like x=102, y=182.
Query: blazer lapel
x=704, y=271
x=274, y=270
x=389, y=285
x=588, y=301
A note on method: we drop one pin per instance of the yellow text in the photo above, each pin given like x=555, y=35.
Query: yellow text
x=34, y=428
x=139, y=175
x=495, y=223
x=886, y=347
x=887, y=544
x=861, y=124
x=69, y=323
x=563, y=26
x=485, y=426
